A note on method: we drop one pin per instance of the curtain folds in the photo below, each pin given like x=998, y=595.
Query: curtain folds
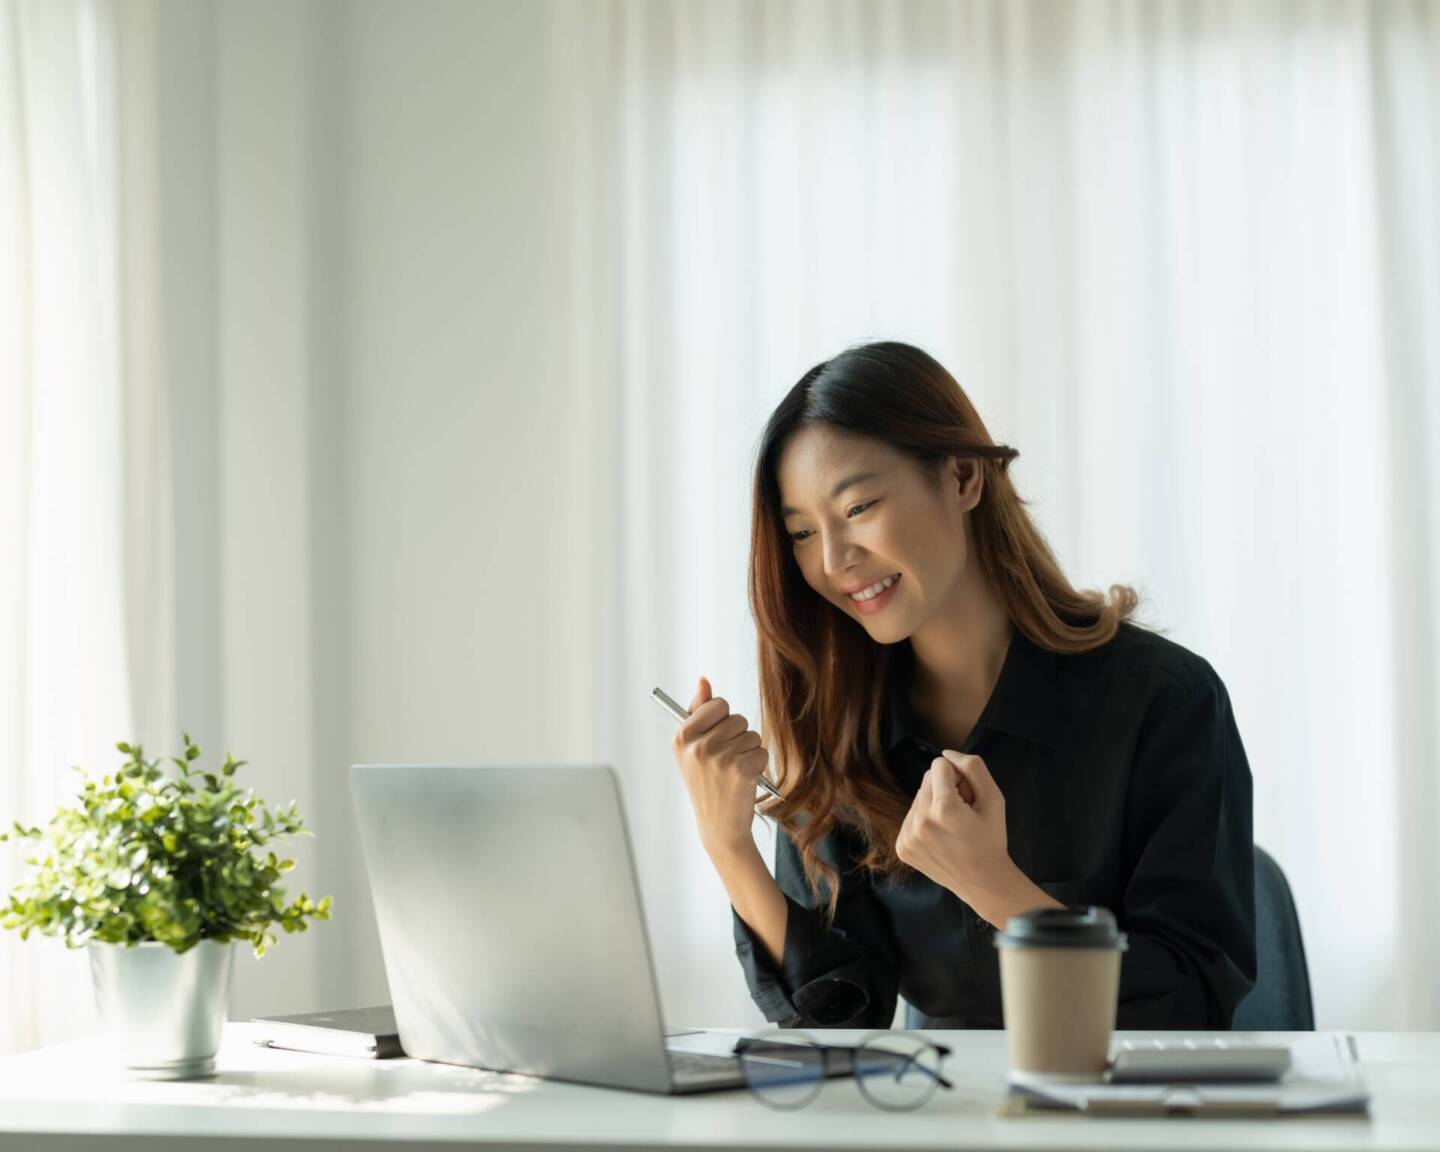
x=1183, y=255
x=64, y=677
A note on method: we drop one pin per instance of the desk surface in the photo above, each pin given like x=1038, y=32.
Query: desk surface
x=71, y=1096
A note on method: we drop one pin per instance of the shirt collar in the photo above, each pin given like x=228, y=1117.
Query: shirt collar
x=1026, y=701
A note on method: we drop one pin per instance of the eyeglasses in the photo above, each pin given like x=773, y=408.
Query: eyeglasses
x=894, y=1070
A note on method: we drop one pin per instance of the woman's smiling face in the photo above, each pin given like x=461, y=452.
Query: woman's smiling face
x=859, y=513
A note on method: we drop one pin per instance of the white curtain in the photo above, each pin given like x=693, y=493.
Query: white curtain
x=86, y=544
x=64, y=683
x=158, y=211
x=1184, y=256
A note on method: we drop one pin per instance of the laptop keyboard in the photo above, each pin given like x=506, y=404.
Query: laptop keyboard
x=692, y=1064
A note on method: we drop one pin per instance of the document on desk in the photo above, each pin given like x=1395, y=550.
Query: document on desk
x=1323, y=1077
x=366, y=1032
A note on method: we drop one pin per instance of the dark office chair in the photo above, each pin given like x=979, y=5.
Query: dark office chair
x=1280, y=1000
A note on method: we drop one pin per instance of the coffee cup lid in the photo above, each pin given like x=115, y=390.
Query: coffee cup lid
x=1085, y=926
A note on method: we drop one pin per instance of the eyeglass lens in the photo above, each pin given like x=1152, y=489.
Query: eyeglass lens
x=784, y=1070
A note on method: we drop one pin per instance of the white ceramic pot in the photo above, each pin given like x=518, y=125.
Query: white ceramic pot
x=164, y=1010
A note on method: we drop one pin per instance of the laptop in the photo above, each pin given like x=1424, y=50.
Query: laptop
x=511, y=925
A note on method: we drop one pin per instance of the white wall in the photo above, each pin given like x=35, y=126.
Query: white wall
x=468, y=550
x=384, y=463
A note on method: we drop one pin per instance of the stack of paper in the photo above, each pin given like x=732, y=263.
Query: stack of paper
x=1323, y=1077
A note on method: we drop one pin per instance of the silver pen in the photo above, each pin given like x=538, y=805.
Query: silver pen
x=681, y=714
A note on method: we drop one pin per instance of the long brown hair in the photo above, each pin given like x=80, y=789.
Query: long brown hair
x=822, y=679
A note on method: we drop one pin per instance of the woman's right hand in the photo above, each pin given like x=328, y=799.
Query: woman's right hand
x=720, y=759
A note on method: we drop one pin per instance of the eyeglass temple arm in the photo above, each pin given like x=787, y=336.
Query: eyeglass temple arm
x=910, y=1061
x=746, y=1044
x=939, y=1079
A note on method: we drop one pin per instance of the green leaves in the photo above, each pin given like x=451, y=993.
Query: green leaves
x=143, y=855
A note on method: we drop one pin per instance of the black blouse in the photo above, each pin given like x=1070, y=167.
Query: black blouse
x=1125, y=785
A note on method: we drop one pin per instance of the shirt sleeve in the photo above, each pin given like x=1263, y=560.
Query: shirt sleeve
x=1189, y=903
x=842, y=976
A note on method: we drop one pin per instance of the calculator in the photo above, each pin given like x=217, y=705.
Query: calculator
x=1210, y=1058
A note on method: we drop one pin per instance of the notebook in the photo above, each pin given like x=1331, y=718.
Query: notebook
x=364, y=1032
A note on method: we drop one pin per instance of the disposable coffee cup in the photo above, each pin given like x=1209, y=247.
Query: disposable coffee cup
x=1059, y=988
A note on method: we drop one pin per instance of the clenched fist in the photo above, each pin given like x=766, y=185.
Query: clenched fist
x=720, y=759
x=954, y=832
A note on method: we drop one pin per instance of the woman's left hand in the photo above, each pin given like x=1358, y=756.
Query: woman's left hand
x=954, y=832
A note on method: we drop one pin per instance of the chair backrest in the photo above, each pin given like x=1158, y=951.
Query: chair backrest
x=1280, y=1000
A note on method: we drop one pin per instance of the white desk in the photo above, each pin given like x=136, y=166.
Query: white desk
x=69, y=1096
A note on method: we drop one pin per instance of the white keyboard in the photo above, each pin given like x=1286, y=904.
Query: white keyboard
x=1209, y=1058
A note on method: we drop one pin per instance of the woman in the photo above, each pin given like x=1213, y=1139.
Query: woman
x=958, y=733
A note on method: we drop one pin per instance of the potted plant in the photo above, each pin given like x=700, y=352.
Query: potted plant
x=158, y=875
